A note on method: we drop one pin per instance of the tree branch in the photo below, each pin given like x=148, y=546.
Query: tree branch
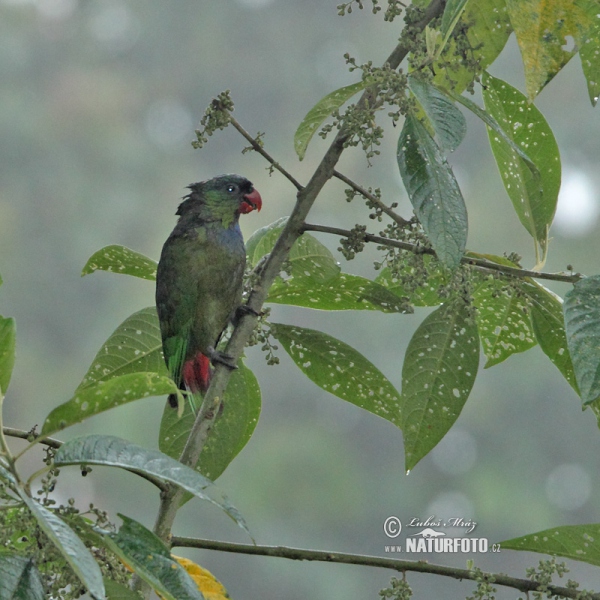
x=27, y=435
x=523, y=585
x=480, y=263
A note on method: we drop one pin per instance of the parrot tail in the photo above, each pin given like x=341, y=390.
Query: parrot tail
x=196, y=376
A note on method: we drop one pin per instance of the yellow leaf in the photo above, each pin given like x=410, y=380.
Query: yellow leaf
x=211, y=588
x=549, y=33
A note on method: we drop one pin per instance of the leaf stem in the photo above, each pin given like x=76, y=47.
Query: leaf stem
x=420, y=566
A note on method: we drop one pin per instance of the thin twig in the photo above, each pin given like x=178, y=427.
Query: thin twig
x=372, y=198
x=467, y=260
x=523, y=585
x=27, y=435
x=257, y=147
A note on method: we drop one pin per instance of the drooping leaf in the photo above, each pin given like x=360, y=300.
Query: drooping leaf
x=542, y=29
x=207, y=583
x=319, y=112
x=69, y=545
x=19, y=578
x=340, y=370
x=112, y=451
x=533, y=200
x=309, y=261
x=7, y=351
x=231, y=431
x=452, y=13
x=439, y=370
x=433, y=191
x=119, y=259
x=502, y=319
x=344, y=292
x=447, y=121
x=577, y=542
x=148, y=556
x=589, y=52
x=582, y=323
x=549, y=327
x=94, y=399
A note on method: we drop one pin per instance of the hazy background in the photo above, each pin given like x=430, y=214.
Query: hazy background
x=98, y=103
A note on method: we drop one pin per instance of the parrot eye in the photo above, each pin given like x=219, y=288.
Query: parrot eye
x=231, y=188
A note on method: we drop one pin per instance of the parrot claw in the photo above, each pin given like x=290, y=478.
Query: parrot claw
x=221, y=358
x=244, y=310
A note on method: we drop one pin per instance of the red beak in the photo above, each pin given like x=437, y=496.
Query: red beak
x=252, y=201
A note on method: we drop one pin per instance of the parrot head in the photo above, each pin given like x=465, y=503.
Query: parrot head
x=225, y=194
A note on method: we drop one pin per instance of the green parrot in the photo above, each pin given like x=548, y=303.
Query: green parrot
x=200, y=276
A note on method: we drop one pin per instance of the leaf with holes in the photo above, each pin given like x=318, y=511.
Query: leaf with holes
x=340, y=370
x=549, y=327
x=433, y=192
x=231, y=431
x=502, y=320
x=582, y=323
x=19, y=578
x=542, y=29
x=122, y=260
x=447, y=121
x=148, y=556
x=534, y=200
x=69, y=545
x=439, y=370
x=577, y=542
x=319, y=112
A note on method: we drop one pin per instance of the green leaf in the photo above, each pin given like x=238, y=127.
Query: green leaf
x=589, y=51
x=119, y=259
x=19, y=578
x=578, y=542
x=430, y=272
x=340, y=370
x=344, y=292
x=133, y=347
x=437, y=376
x=112, y=451
x=549, y=327
x=319, y=112
x=533, y=200
x=231, y=431
x=118, y=591
x=502, y=319
x=433, y=191
x=447, y=121
x=69, y=545
x=493, y=124
x=309, y=260
x=92, y=400
x=582, y=323
x=487, y=33
x=148, y=556
x=7, y=351
x=542, y=29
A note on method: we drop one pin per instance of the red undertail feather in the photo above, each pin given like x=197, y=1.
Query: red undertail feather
x=196, y=373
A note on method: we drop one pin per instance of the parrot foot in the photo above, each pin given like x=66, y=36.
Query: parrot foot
x=221, y=358
x=244, y=310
